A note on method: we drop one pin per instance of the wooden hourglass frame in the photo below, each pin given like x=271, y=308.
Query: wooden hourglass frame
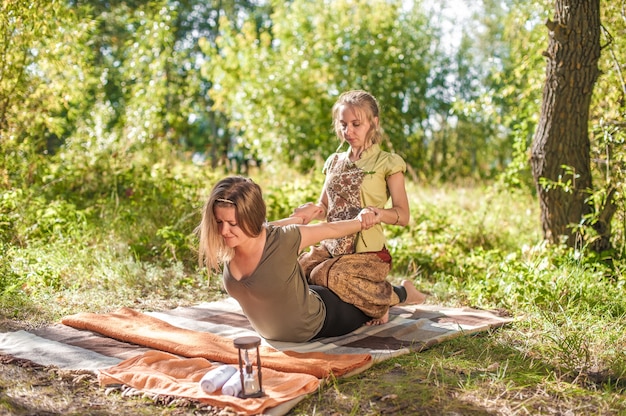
x=251, y=380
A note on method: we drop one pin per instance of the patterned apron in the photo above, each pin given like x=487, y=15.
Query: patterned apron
x=344, y=201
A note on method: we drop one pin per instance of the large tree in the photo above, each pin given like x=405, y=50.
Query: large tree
x=561, y=148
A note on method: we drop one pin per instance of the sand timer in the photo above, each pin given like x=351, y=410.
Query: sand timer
x=249, y=366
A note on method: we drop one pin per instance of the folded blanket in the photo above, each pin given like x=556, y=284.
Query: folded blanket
x=132, y=326
x=166, y=374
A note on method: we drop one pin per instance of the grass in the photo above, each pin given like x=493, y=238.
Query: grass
x=485, y=374
x=476, y=246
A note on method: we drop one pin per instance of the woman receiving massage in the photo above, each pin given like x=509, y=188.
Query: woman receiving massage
x=260, y=264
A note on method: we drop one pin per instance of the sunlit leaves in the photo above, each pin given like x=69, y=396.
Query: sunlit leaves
x=499, y=101
x=43, y=78
x=277, y=85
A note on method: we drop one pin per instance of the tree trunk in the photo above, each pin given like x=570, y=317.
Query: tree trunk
x=560, y=156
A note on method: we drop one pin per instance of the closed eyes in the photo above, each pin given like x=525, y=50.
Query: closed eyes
x=232, y=224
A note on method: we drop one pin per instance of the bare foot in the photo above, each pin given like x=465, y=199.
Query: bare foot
x=379, y=321
x=413, y=296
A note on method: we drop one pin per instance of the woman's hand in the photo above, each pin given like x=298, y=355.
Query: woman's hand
x=369, y=217
x=308, y=212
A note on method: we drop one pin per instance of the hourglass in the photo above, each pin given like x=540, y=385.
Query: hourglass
x=249, y=366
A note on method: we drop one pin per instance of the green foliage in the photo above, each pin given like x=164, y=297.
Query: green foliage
x=123, y=225
x=277, y=83
x=259, y=84
x=608, y=132
x=44, y=82
x=149, y=59
x=9, y=214
x=443, y=230
x=9, y=280
x=282, y=197
x=498, y=104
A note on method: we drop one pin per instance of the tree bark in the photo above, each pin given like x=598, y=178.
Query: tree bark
x=560, y=154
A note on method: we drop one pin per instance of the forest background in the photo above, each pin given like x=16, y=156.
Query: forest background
x=116, y=117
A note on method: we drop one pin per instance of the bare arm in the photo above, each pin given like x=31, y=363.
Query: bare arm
x=286, y=221
x=399, y=214
x=314, y=233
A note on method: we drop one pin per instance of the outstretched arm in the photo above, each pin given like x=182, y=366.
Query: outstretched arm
x=286, y=221
x=314, y=233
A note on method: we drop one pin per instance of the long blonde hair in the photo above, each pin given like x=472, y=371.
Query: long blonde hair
x=250, y=211
x=364, y=105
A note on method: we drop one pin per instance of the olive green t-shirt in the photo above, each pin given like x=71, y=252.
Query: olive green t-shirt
x=276, y=297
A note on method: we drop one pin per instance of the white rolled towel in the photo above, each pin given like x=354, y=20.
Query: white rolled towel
x=233, y=386
x=216, y=377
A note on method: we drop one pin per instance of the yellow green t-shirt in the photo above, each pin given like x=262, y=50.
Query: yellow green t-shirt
x=377, y=165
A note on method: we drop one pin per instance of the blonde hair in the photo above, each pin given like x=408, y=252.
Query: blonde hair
x=250, y=211
x=365, y=106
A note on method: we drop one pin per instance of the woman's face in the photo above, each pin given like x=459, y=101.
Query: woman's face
x=228, y=228
x=353, y=129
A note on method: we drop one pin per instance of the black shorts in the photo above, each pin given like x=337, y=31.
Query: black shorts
x=341, y=317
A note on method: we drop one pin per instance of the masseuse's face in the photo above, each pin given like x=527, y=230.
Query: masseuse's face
x=229, y=229
x=353, y=128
